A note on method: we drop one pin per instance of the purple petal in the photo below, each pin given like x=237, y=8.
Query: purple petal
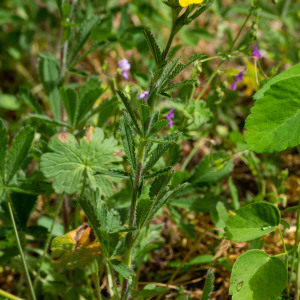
x=239, y=77
x=143, y=95
x=125, y=75
x=255, y=52
x=124, y=64
x=170, y=116
x=233, y=86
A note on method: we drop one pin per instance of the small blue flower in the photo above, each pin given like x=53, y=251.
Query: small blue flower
x=125, y=66
x=143, y=95
x=170, y=116
x=255, y=52
x=238, y=78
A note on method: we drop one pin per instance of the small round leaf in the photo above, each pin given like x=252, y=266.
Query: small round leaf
x=256, y=276
x=252, y=221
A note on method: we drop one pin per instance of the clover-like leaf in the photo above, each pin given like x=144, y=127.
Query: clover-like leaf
x=252, y=221
x=257, y=276
x=274, y=122
x=72, y=162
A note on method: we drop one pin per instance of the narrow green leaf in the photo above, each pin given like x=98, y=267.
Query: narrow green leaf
x=130, y=110
x=199, y=11
x=157, y=127
x=160, y=202
x=84, y=32
x=3, y=150
x=86, y=102
x=252, y=221
x=94, y=47
x=163, y=80
x=197, y=56
x=179, y=84
x=122, y=269
x=31, y=102
x=128, y=142
x=160, y=184
x=159, y=172
x=114, y=173
x=234, y=194
x=209, y=285
x=143, y=209
x=70, y=101
x=160, y=150
x=145, y=116
x=156, y=52
x=50, y=76
x=18, y=152
x=47, y=120
x=256, y=276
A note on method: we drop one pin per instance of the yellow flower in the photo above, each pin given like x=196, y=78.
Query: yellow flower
x=185, y=3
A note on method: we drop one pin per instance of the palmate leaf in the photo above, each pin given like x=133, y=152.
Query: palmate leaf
x=70, y=162
x=257, y=276
x=274, y=122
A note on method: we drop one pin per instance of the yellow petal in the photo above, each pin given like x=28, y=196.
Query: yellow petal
x=185, y=3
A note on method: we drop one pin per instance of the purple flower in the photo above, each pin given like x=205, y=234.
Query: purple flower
x=255, y=52
x=238, y=78
x=125, y=66
x=170, y=116
x=143, y=95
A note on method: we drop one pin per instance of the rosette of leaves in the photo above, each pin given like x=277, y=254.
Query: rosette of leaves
x=72, y=165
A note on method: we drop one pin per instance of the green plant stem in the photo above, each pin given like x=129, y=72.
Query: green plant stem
x=97, y=280
x=221, y=63
x=48, y=240
x=111, y=273
x=9, y=296
x=89, y=283
x=285, y=252
x=191, y=154
x=296, y=242
x=297, y=296
x=281, y=236
x=212, y=76
x=139, y=171
x=27, y=276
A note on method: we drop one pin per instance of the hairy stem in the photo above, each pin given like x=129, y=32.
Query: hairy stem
x=111, y=274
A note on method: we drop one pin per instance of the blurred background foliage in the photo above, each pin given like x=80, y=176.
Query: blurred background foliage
x=224, y=180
